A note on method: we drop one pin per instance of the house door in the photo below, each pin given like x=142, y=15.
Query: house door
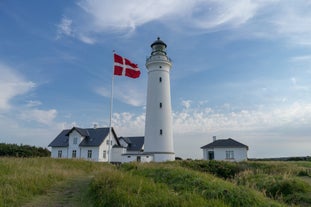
x=211, y=155
x=138, y=159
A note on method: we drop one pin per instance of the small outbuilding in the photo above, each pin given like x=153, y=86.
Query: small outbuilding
x=225, y=149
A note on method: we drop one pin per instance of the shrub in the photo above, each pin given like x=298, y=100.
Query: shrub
x=281, y=187
x=222, y=169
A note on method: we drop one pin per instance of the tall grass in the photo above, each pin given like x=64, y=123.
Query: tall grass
x=186, y=183
x=116, y=188
x=183, y=180
x=23, y=178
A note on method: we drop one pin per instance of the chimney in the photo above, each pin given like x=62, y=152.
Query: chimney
x=214, y=138
x=95, y=126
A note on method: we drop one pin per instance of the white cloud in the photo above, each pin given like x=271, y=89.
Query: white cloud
x=12, y=84
x=210, y=120
x=129, y=124
x=123, y=17
x=277, y=126
x=260, y=18
x=302, y=58
x=32, y=103
x=186, y=103
x=126, y=93
x=127, y=15
x=212, y=14
x=293, y=20
x=45, y=117
x=64, y=28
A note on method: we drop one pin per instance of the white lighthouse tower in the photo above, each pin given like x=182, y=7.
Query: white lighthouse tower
x=158, y=125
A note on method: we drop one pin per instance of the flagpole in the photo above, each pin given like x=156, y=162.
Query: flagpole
x=111, y=104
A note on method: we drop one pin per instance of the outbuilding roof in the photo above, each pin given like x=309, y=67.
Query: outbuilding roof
x=134, y=143
x=92, y=136
x=220, y=143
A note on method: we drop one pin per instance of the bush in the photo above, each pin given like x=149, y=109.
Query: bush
x=14, y=150
x=279, y=187
x=222, y=169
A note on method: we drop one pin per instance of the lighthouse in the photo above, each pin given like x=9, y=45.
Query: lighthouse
x=158, y=125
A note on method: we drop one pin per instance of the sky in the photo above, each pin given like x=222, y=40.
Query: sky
x=241, y=69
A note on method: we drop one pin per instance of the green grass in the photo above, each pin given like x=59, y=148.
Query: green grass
x=21, y=179
x=116, y=188
x=61, y=182
x=182, y=180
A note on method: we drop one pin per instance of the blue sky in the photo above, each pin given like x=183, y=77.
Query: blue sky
x=241, y=69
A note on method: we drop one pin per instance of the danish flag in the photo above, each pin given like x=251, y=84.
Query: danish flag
x=125, y=67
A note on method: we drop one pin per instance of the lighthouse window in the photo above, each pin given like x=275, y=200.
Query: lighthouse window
x=161, y=132
x=160, y=79
x=160, y=104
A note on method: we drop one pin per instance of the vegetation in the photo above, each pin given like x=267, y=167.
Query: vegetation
x=59, y=182
x=21, y=179
x=14, y=150
x=207, y=186
x=278, y=180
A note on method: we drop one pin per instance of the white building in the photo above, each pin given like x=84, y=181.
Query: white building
x=158, y=125
x=225, y=149
x=91, y=144
x=134, y=150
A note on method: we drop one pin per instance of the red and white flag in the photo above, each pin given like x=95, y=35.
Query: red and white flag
x=125, y=67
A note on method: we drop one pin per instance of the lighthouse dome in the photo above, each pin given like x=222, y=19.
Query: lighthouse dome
x=158, y=42
x=158, y=47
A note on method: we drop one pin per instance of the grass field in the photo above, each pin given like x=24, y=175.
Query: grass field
x=60, y=182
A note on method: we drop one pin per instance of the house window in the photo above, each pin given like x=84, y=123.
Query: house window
x=104, y=154
x=107, y=142
x=161, y=131
x=75, y=140
x=74, y=153
x=59, y=153
x=160, y=104
x=89, y=154
x=160, y=66
x=229, y=155
x=160, y=79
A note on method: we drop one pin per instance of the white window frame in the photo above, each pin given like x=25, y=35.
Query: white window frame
x=59, y=153
x=230, y=154
x=75, y=140
x=89, y=154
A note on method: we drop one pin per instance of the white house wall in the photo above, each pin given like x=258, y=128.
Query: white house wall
x=95, y=153
x=133, y=158
x=54, y=152
x=240, y=154
x=116, y=154
x=72, y=146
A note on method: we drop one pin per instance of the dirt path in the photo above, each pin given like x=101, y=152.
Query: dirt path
x=71, y=193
